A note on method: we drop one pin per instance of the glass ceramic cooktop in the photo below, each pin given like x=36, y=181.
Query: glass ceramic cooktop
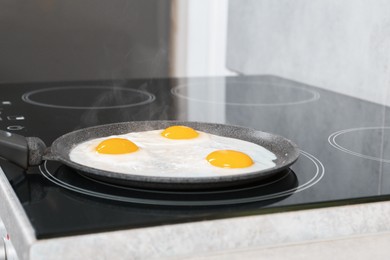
x=344, y=146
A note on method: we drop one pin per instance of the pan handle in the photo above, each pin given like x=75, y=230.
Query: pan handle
x=23, y=151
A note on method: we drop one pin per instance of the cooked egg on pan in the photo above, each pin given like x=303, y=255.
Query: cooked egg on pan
x=177, y=151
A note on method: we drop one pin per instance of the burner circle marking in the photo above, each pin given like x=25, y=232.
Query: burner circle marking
x=332, y=141
x=314, y=95
x=320, y=170
x=148, y=97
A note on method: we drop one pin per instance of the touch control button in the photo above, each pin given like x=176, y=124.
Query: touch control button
x=15, y=127
x=17, y=118
x=6, y=103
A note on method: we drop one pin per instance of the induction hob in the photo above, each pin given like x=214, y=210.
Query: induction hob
x=343, y=141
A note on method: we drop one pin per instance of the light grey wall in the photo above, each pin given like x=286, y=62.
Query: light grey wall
x=47, y=40
x=340, y=45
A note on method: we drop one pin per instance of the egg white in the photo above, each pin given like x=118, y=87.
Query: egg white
x=159, y=156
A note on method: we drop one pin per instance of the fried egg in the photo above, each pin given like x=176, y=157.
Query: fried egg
x=176, y=151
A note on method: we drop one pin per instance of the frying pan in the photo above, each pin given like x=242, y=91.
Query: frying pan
x=31, y=151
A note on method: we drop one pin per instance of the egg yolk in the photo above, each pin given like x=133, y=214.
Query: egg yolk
x=229, y=159
x=116, y=146
x=179, y=132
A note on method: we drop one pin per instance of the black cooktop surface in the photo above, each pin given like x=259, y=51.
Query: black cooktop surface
x=344, y=145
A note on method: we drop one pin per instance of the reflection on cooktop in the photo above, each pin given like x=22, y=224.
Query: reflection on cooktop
x=283, y=184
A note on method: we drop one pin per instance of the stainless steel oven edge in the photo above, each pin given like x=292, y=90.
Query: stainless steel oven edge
x=17, y=234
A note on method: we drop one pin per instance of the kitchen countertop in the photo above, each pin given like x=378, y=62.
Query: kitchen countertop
x=372, y=246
